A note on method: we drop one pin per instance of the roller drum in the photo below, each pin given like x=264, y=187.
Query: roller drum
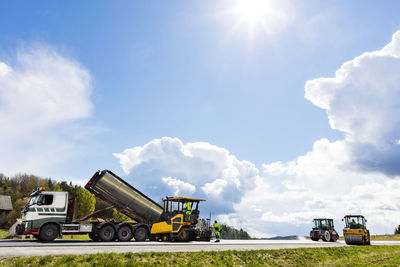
x=354, y=240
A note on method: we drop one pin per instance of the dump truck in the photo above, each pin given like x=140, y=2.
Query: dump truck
x=49, y=214
x=323, y=229
x=355, y=231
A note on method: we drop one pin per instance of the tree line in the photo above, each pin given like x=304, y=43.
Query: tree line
x=228, y=232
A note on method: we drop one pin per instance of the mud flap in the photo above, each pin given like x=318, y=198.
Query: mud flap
x=12, y=232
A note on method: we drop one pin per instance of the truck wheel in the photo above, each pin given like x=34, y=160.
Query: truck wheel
x=334, y=236
x=48, y=232
x=124, y=233
x=165, y=238
x=106, y=233
x=184, y=235
x=140, y=234
x=327, y=236
x=94, y=237
x=368, y=240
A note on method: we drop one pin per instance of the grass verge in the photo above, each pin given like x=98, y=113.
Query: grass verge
x=336, y=256
x=3, y=233
x=385, y=237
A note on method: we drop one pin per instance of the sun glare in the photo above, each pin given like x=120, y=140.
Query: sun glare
x=253, y=10
x=259, y=16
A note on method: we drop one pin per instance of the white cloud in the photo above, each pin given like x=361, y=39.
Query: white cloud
x=363, y=100
x=359, y=174
x=215, y=188
x=291, y=211
x=42, y=95
x=220, y=175
x=179, y=186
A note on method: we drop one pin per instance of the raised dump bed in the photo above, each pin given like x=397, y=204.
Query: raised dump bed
x=118, y=193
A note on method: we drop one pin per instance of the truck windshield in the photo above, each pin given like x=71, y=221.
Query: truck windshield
x=355, y=222
x=33, y=200
x=324, y=223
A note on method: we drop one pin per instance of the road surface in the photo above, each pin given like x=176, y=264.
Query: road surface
x=9, y=248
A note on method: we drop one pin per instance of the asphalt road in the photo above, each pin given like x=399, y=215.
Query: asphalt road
x=9, y=248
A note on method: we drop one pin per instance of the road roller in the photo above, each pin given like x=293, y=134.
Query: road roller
x=355, y=231
x=323, y=229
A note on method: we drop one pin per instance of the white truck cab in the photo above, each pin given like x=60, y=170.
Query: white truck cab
x=47, y=215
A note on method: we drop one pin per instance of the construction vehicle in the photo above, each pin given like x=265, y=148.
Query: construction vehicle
x=324, y=229
x=49, y=215
x=355, y=231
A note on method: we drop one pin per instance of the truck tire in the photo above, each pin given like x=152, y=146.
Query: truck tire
x=48, y=232
x=140, y=234
x=327, y=236
x=106, y=233
x=124, y=233
x=165, y=238
x=94, y=237
x=368, y=241
x=334, y=236
x=184, y=235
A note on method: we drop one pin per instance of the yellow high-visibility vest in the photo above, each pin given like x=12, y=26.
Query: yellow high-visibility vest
x=188, y=207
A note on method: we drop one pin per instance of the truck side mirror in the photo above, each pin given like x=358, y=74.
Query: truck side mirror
x=366, y=221
x=342, y=219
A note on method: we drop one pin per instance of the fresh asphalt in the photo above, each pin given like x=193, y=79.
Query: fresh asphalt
x=12, y=248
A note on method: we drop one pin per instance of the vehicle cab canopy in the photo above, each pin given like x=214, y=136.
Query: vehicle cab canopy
x=355, y=221
x=176, y=205
x=323, y=223
x=51, y=199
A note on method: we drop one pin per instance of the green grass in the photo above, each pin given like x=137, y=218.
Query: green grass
x=385, y=237
x=3, y=233
x=336, y=256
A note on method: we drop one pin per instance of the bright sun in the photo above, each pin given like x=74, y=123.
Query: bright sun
x=253, y=11
x=259, y=16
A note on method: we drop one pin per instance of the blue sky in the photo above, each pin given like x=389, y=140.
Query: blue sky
x=194, y=70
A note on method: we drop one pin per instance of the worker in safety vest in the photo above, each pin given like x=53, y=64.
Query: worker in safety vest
x=188, y=208
x=217, y=229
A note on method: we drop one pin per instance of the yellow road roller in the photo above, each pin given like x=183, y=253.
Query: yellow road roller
x=355, y=231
